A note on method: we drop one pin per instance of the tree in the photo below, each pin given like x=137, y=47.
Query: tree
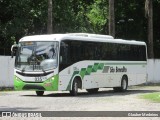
x=111, y=18
x=149, y=15
x=96, y=15
x=49, y=21
x=19, y=18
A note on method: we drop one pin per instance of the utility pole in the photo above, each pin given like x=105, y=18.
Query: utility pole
x=111, y=18
x=49, y=21
x=149, y=15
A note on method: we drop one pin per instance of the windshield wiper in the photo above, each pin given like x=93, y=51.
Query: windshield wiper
x=23, y=69
x=43, y=70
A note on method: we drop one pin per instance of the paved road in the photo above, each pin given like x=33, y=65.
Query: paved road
x=105, y=100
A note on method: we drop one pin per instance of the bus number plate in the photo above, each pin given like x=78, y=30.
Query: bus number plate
x=38, y=79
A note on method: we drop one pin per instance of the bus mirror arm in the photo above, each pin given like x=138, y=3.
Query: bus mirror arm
x=13, y=49
x=60, y=59
x=12, y=54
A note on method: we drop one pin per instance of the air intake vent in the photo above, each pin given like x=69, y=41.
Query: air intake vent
x=33, y=87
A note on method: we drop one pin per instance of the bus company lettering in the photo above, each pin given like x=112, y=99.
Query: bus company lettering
x=118, y=69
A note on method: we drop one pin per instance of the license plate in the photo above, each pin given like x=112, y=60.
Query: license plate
x=38, y=79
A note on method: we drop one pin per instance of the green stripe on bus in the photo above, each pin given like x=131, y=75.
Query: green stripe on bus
x=86, y=71
x=95, y=67
x=83, y=72
x=69, y=85
x=89, y=70
x=100, y=66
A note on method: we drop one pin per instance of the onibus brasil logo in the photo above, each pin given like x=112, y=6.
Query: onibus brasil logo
x=21, y=114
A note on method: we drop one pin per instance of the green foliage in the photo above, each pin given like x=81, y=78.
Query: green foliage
x=21, y=17
x=97, y=15
x=28, y=17
x=70, y=16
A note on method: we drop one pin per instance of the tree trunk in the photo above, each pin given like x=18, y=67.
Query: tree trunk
x=111, y=18
x=49, y=21
x=149, y=13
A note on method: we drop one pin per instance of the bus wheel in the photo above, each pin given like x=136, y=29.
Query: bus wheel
x=39, y=93
x=74, y=90
x=91, y=91
x=124, y=85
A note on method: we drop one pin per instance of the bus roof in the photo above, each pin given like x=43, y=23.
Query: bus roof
x=81, y=37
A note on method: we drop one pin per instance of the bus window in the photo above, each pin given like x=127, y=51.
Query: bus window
x=63, y=59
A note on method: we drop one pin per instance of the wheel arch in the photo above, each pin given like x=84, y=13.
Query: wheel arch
x=79, y=79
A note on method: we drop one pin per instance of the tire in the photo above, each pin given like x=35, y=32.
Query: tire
x=91, y=91
x=39, y=93
x=124, y=85
x=74, y=90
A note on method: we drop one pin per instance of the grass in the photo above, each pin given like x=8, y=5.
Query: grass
x=155, y=97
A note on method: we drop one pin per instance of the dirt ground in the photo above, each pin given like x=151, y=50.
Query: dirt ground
x=104, y=100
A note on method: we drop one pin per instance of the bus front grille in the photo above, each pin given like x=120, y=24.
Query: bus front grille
x=33, y=87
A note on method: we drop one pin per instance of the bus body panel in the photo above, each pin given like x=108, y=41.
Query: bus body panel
x=97, y=74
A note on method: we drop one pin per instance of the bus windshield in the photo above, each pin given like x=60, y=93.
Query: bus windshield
x=36, y=56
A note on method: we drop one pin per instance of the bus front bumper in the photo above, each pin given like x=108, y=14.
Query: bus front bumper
x=50, y=84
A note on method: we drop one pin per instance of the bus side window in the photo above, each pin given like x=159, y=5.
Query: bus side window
x=63, y=56
x=64, y=53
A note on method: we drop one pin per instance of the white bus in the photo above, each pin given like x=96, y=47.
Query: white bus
x=68, y=62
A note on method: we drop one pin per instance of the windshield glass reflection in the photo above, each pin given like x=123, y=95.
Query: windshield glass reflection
x=37, y=56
